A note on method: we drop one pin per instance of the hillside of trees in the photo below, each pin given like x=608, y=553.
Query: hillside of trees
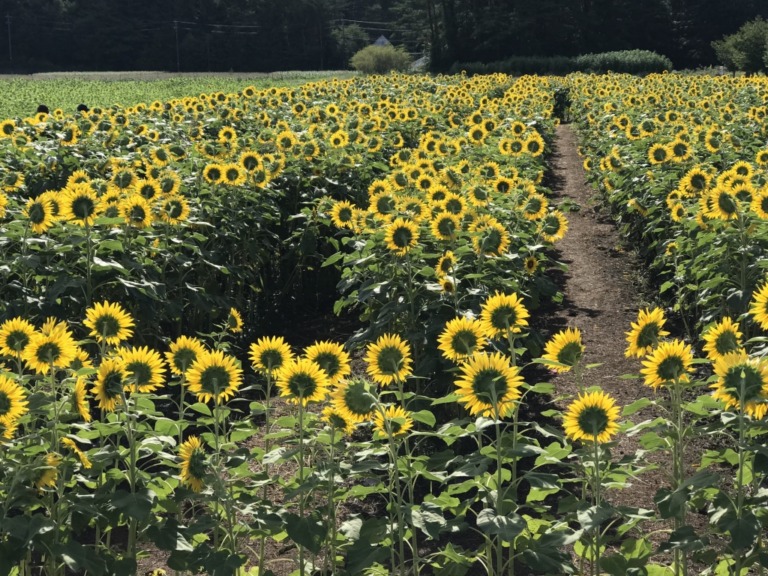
x=268, y=35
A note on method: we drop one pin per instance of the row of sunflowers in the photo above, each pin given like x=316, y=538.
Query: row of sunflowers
x=680, y=162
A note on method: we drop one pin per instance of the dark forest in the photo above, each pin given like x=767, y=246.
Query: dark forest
x=269, y=35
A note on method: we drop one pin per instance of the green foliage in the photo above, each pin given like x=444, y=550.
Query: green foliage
x=380, y=60
x=628, y=61
x=747, y=49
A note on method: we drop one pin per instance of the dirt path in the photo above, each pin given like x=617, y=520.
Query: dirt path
x=601, y=299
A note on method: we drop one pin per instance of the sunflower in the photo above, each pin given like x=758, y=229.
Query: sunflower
x=39, y=211
x=269, y=354
x=535, y=207
x=149, y=189
x=759, y=306
x=489, y=385
x=136, y=211
x=331, y=357
x=354, y=400
x=490, y=239
x=144, y=369
x=503, y=313
x=174, y=209
x=213, y=173
x=13, y=402
x=461, y=338
x=233, y=175
x=336, y=419
x=593, y=416
x=531, y=264
x=48, y=474
x=109, y=323
x=742, y=381
x=111, y=381
x=759, y=204
x=445, y=265
x=342, y=214
x=214, y=376
x=234, y=322
x=182, y=354
x=226, y=135
x=724, y=204
x=15, y=335
x=55, y=348
x=302, y=381
x=553, y=227
x=722, y=338
x=669, y=362
x=645, y=333
x=445, y=226
x=84, y=461
x=124, y=178
x=389, y=360
x=565, y=348
x=81, y=361
x=534, y=144
x=193, y=464
x=658, y=153
x=401, y=236
x=80, y=399
x=394, y=421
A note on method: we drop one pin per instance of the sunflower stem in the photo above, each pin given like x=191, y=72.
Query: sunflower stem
x=129, y=432
x=88, y=265
x=267, y=446
x=597, y=496
x=742, y=463
x=302, y=568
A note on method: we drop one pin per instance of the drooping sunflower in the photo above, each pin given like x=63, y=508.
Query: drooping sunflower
x=39, y=212
x=742, y=381
x=592, y=417
x=109, y=322
x=395, y=421
x=553, y=226
x=724, y=204
x=234, y=321
x=401, y=236
x=72, y=445
x=214, y=376
x=389, y=360
x=302, y=381
x=759, y=306
x=489, y=386
x=15, y=335
x=80, y=399
x=722, y=338
x=193, y=465
x=56, y=348
x=182, y=354
x=269, y=354
x=565, y=348
x=354, y=399
x=445, y=265
x=331, y=357
x=111, y=380
x=645, y=333
x=503, y=313
x=144, y=369
x=667, y=363
x=48, y=473
x=13, y=402
x=461, y=338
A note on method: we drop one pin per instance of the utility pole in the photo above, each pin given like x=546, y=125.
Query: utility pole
x=10, y=45
x=178, y=58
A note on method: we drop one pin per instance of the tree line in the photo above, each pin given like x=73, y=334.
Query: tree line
x=268, y=35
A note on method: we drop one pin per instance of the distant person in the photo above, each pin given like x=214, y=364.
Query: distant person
x=42, y=108
x=82, y=108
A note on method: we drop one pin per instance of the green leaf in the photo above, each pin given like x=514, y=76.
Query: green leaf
x=684, y=538
x=594, y=516
x=168, y=536
x=506, y=527
x=428, y=518
x=636, y=406
x=78, y=558
x=201, y=408
x=425, y=417
x=308, y=532
x=332, y=259
x=137, y=506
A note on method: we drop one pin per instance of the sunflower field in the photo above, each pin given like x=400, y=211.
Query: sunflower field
x=160, y=394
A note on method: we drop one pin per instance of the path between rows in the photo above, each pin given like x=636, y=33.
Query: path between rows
x=601, y=298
